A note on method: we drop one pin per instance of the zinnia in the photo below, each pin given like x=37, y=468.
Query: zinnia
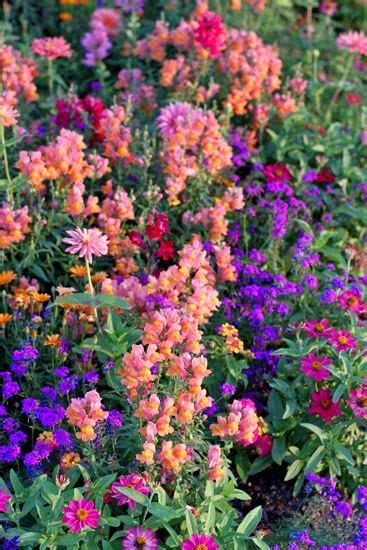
x=138, y=538
x=4, y=497
x=87, y=242
x=80, y=514
x=132, y=481
x=358, y=401
x=210, y=33
x=52, y=47
x=323, y=405
x=314, y=366
x=200, y=542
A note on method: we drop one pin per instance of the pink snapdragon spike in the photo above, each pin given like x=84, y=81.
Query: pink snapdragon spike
x=200, y=542
x=322, y=404
x=4, y=497
x=51, y=47
x=87, y=242
x=8, y=115
x=80, y=514
x=139, y=538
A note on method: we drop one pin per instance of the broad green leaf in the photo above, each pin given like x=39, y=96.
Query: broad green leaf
x=250, y=522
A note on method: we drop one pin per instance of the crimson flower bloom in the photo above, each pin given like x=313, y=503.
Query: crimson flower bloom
x=210, y=33
x=157, y=226
x=314, y=366
x=165, y=250
x=87, y=242
x=325, y=175
x=322, y=404
x=80, y=514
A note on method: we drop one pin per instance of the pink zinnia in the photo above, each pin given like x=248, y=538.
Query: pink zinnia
x=132, y=481
x=352, y=301
x=358, y=401
x=316, y=328
x=210, y=33
x=314, y=366
x=4, y=497
x=200, y=542
x=353, y=41
x=322, y=404
x=342, y=340
x=87, y=242
x=80, y=514
x=138, y=538
x=51, y=48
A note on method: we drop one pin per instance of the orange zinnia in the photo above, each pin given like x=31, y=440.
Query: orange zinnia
x=78, y=271
x=7, y=277
x=5, y=318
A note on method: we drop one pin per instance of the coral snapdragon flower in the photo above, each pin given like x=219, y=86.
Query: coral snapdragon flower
x=80, y=514
x=87, y=242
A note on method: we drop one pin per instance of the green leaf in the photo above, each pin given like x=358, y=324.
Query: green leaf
x=260, y=464
x=210, y=518
x=339, y=392
x=134, y=495
x=78, y=298
x=344, y=453
x=99, y=487
x=110, y=300
x=316, y=430
x=315, y=459
x=294, y=469
x=16, y=484
x=165, y=513
x=278, y=450
x=250, y=522
x=31, y=537
x=191, y=523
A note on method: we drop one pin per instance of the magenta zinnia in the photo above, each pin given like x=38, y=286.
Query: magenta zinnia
x=358, y=401
x=132, y=481
x=4, y=497
x=314, y=366
x=200, y=542
x=80, y=514
x=87, y=242
x=138, y=538
x=322, y=404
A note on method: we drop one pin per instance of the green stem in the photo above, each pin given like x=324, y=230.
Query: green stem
x=92, y=292
x=339, y=89
x=9, y=190
x=50, y=77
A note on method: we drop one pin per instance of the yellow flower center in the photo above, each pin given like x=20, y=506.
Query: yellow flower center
x=201, y=547
x=316, y=365
x=82, y=514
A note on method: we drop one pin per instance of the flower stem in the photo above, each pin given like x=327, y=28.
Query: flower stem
x=9, y=190
x=50, y=77
x=92, y=292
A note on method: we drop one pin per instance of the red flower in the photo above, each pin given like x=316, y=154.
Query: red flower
x=322, y=404
x=210, y=33
x=165, y=250
x=137, y=238
x=277, y=172
x=325, y=175
x=353, y=99
x=157, y=227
